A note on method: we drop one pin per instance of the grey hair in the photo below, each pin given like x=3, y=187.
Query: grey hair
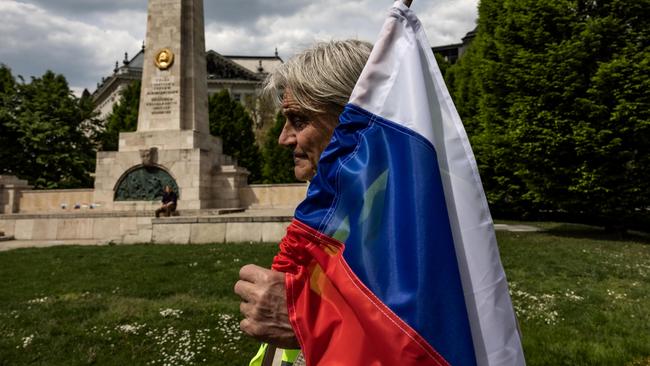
x=321, y=78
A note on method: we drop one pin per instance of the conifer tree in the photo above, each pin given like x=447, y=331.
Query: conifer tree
x=9, y=146
x=123, y=117
x=278, y=160
x=230, y=121
x=554, y=95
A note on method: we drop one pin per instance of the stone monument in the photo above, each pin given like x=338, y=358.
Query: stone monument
x=172, y=144
x=10, y=188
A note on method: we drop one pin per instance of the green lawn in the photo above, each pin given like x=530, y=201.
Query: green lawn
x=583, y=298
x=124, y=305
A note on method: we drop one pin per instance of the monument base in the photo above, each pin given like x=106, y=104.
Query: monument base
x=10, y=188
x=169, y=140
x=192, y=162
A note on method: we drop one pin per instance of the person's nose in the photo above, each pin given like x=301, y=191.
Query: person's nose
x=287, y=136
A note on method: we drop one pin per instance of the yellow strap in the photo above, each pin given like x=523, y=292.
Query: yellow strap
x=259, y=357
x=290, y=355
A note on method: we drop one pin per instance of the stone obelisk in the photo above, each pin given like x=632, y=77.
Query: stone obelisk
x=174, y=89
x=172, y=144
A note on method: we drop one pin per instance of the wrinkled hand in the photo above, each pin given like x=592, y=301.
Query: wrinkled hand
x=264, y=306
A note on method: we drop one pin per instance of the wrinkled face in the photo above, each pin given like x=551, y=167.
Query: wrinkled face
x=307, y=133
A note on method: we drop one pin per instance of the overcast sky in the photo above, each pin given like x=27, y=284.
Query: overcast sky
x=82, y=39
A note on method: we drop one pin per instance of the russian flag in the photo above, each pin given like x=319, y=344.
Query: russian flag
x=392, y=258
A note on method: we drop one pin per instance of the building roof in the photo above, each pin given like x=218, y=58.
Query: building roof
x=470, y=35
x=221, y=67
x=447, y=47
x=451, y=52
x=257, y=64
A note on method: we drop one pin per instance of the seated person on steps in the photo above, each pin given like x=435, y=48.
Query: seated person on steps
x=169, y=199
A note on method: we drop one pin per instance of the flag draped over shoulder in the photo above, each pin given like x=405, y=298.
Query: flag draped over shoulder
x=392, y=259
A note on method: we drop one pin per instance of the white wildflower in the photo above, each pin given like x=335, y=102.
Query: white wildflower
x=28, y=340
x=532, y=307
x=38, y=300
x=571, y=295
x=130, y=328
x=616, y=295
x=171, y=313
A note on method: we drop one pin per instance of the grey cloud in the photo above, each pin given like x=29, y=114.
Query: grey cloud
x=247, y=11
x=84, y=7
x=229, y=11
x=82, y=38
x=33, y=41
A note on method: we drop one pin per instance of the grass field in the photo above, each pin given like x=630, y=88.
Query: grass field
x=582, y=297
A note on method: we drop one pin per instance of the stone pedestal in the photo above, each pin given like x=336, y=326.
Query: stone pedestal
x=205, y=177
x=172, y=145
x=10, y=188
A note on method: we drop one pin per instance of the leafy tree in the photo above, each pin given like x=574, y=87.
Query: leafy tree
x=57, y=151
x=278, y=160
x=9, y=147
x=91, y=124
x=442, y=63
x=554, y=94
x=262, y=110
x=230, y=121
x=123, y=117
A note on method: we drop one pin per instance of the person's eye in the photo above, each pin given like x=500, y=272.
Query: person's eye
x=299, y=122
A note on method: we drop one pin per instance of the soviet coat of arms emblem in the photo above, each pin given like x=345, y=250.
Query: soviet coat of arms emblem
x=164, y=59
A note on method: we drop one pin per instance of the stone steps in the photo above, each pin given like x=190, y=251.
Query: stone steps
x=103, y=214
x=228, y=225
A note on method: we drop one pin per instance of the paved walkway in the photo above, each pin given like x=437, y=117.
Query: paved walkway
x=517, y=228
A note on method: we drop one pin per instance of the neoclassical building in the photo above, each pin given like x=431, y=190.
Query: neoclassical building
x=240, y=75
x=452, y=52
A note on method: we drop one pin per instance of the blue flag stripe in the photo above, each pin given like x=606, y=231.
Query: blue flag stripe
x=381, y=185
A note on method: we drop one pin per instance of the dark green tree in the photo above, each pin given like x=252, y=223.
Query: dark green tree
x=442, y=63
x=554, y=97
x=57, y=151
x=230, y=121
x=10, y=149
x=123, y=117
x=278, y=160
x=91, y=124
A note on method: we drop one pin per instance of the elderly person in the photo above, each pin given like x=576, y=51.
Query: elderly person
x=312, y=89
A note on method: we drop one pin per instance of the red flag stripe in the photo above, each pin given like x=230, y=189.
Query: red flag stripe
x=341, y=322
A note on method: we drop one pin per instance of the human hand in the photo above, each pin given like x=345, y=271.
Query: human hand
x=264, y=306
